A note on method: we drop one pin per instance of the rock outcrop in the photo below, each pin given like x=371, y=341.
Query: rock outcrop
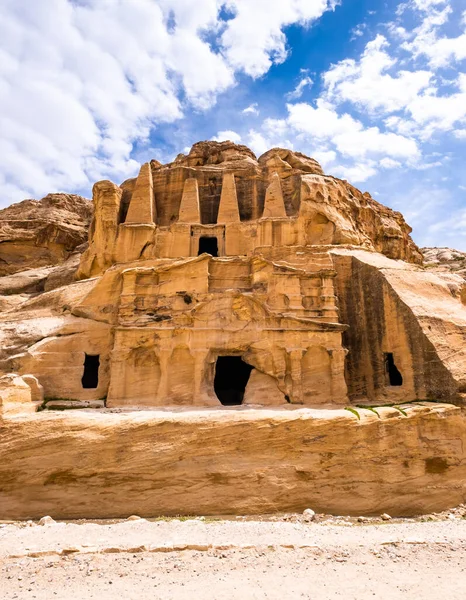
x=397, y=308
x=84, y=464
x=440, y=260
x=320, y=209
x=223, y=280
x=42, y=233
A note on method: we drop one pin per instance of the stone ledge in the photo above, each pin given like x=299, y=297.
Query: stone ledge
x=97, y=464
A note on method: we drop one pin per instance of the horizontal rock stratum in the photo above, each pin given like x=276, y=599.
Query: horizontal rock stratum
x=234, y=461
x=268, y=292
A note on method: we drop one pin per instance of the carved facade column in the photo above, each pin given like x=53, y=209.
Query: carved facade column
x=189, y=207
x=103, y=231
x=164, y=357
x=202, y=395
x=337, y=369
x=274, y=205
x=142, y=204
x=228, y=211
x=295, y=358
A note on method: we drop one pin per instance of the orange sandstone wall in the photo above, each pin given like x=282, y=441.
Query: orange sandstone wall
x=87, y=464
x=394, y=307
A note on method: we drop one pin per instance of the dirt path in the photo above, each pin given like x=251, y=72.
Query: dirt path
x=234, y=559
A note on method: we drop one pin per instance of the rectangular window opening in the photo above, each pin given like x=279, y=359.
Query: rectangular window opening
x=90, y=378
x=231, y=378
x=393, y=374
x=208, y=245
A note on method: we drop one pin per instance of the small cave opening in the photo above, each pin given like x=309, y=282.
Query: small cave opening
x=231, y=377
x=90, y=378
x=393, y=374
x=209, y=245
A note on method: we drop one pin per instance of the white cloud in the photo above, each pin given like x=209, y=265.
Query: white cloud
x=276, y=128
x=348, y=134
x=257, y=142
x=427, y=5
x=358, y=31
x=254, y=39
x=251, y=109
x=399, y=97
x=227, y=135
x=440, y=50
x=425, y=37
x=428, y=166
x=82, y=81
x=397, y=31
x=389, y=163
x=325, y=157
x=339, y=142
x=367, y=83
x=420, y=102
x=356, y=173
x=439, y=113
x=299, y=89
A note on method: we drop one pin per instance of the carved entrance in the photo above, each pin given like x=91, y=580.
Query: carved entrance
x=231, y=378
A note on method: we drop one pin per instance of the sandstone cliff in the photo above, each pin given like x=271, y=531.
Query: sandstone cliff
x=446, y=260
x=84, y=464
x=41, y=233
x=226, y=309
x=334, y=211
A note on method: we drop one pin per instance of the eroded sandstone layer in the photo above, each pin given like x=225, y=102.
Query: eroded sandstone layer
x=225, y=280
x=41, y=233
x=235, y=461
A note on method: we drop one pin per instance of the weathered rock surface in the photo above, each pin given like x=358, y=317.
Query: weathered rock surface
x=217, y=280
x=18, y=395
x=331, y=211
x=396, y=307
x=239, y=461
x=445, y=260
x=40, y=318
x=41, y=233
x=31, y=281
x=298, y=264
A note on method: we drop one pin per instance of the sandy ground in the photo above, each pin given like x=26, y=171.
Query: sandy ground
x=276, y=558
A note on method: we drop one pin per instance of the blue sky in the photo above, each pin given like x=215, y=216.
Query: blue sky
x=376, y=91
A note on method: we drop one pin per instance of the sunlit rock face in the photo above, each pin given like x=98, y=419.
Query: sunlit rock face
x=42, y=233
x=84, y=464
x=219, y=281
x=224, y=189
x=223, y=279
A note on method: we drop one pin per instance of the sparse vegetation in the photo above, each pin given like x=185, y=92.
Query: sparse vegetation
x=354, y=411
x=371, y=408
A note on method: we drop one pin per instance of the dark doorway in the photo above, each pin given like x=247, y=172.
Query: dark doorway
x=90, y=378
x=231, y=377
x=208, y=245
x=394, y=376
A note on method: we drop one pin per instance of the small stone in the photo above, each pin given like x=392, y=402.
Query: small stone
x=385, y=517
x=70, y=550
x=363, y=519
x=309, y=514
x=47, y=521
x=134, y=518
